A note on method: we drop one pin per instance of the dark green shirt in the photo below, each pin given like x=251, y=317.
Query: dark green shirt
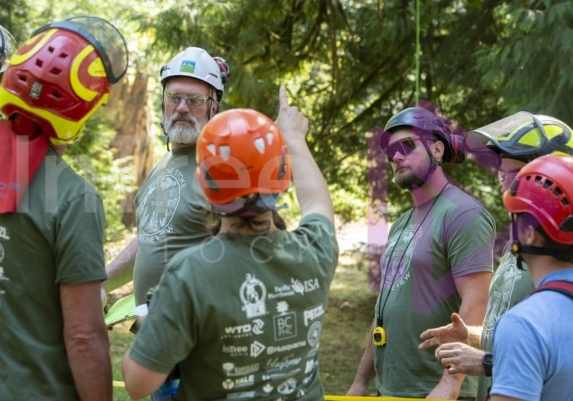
x=428, y=248
x=170, y=213
x=56, y=237
x=244, y=315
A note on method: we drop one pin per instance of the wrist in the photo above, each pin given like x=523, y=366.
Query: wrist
x=487, y=362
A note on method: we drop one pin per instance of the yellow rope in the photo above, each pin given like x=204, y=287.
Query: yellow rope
x=355, y=398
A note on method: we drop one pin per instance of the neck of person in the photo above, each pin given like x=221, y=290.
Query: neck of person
x=237, y=224
x=179, y=145
x=541, y=265
x=435, y=185
x=59, y=149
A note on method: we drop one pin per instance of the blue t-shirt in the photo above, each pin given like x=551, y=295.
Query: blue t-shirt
x=533, y=347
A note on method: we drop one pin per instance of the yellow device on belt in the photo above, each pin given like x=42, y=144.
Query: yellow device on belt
x=379, y=336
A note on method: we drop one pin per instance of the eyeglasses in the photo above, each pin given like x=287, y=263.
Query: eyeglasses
x=405, y=146
x=503, y=176
x=195, y=99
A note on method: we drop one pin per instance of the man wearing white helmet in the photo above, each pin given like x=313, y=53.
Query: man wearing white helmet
x=169, y=203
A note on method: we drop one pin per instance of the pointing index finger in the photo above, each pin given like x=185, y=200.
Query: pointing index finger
x=283, y=100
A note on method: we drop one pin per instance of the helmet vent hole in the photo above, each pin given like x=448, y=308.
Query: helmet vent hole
x=260, y=145
x=225, y=152
x=39, y=63
x=547, y=184
x=56, y=95
x=51, y=49
x=55, y=71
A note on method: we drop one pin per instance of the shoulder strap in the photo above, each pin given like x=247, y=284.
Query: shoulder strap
x=562, y=286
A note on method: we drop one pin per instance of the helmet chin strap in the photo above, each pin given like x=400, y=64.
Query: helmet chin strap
x=433, y=160
x=434, y=163
x=518, y=249
x=165, y=133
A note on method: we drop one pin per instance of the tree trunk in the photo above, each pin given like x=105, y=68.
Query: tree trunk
x=128, y=107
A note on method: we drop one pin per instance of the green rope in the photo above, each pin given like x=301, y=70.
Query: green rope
x=417, y=51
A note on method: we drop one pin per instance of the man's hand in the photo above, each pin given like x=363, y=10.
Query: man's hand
x=456, y=331
x=460, y=358
x=291, y=122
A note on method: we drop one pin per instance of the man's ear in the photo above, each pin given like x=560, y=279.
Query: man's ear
x=214, y=107
x=533, y=237
x=438, y=149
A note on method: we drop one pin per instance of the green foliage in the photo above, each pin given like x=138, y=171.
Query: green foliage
x=94, y=160
x=350, y=65
x=13, y=15
x=525, y=61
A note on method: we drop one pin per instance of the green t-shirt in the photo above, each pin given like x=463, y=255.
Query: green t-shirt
x=509, y=286
x=170, y=214
x=243, y=315
x=428, y=247
x=55, y=237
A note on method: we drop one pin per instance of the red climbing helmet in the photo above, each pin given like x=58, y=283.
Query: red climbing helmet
x=544, y=189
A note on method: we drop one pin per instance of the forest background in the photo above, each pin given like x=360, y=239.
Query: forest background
x=348, y=65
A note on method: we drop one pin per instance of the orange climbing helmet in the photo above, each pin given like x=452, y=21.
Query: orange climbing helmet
x=242, y=162
x=62, y=75
x=544, y=189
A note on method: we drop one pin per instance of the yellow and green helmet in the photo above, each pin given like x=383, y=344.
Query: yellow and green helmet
x=522, y=136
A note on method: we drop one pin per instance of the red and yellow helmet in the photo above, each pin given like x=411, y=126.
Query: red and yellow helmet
x=241, y=152
x=544, y=189
x=62, y=75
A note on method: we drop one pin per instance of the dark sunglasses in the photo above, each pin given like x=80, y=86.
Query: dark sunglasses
x=405, y=146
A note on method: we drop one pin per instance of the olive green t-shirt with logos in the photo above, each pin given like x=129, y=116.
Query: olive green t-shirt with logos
x=243, y=315
x=170, y=208
x=55, y=237
x=448, y=237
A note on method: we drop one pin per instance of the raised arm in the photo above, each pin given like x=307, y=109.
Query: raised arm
x=311, y=189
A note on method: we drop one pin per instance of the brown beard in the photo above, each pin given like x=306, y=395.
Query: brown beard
x=410, y=180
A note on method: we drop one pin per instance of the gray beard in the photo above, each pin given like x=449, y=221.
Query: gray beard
x=182, y=134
